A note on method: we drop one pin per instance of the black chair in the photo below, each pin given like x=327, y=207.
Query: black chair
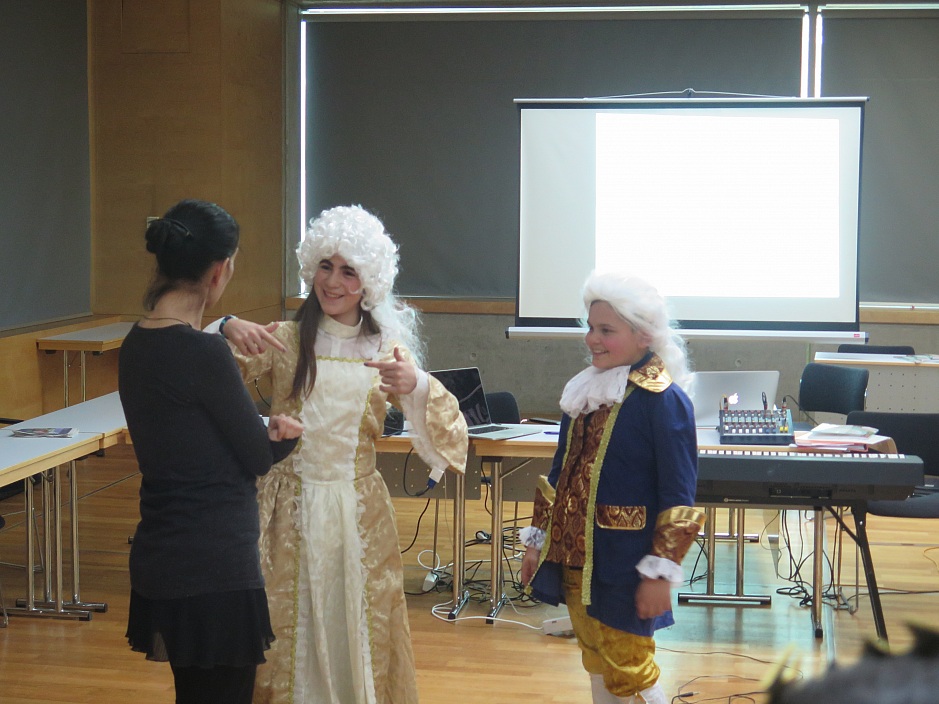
x=915, y=434
x=503, y=408
x=831, y=388
x=876, y=349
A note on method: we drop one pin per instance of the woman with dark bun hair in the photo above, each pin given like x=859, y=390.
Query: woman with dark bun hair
x=197, y=594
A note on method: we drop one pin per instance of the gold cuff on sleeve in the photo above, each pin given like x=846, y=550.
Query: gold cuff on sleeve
x=675, y=532
x=547, y=491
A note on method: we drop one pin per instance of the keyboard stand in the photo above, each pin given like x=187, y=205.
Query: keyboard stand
x=738, y=597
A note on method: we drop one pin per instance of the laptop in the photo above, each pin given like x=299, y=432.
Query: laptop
x=744, y=391
x=467, y=385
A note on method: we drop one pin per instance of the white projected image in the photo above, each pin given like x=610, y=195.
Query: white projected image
x=759, y=195
x=743, y=213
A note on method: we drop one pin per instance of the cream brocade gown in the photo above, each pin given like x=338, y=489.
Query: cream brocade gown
x=329, y=544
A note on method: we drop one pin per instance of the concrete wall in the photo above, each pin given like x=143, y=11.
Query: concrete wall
x=536, y=370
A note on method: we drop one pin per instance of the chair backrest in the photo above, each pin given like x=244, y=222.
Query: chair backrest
x=832, y=388
x=915, y=433
x=876, y=349
x=503, y=407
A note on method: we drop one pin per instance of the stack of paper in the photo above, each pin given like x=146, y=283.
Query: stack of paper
x=840, y=438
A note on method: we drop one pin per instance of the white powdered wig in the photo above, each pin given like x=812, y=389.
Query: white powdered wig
x=639, y=304
x=360, y=238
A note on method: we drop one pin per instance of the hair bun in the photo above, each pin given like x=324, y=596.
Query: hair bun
x=164, y=231
x=157, y=232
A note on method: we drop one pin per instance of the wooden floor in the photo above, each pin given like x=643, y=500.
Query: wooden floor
x=716, y=651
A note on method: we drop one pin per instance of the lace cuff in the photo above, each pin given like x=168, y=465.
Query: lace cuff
x=414, y=406
x=532, y=537
x=660, y=568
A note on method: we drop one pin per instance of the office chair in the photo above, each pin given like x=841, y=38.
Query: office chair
x=876, y=349
x=503, y=408
x=831, y=388
x=914, y=434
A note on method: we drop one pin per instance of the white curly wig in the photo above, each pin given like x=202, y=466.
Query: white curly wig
x=360, y=238
x=640, y=305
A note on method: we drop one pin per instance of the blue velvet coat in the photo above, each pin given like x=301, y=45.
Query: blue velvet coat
x=650, y=462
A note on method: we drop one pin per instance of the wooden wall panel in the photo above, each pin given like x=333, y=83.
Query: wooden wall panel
x=252, y=148
x=148, y=27
x=186, y=101
x=31, y=381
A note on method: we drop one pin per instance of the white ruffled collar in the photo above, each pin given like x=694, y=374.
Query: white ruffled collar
x=340, y=330
x=593, y=388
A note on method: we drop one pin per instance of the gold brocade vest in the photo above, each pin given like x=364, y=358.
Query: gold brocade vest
x=567, y=545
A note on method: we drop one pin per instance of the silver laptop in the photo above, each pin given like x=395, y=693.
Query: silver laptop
x=467, y=385
x=744, y=390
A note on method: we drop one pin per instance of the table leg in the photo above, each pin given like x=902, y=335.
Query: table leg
x=818, y=554
x=81, y=365
x=52, y=605
x=710, y=535
x=57, y=494
x=496, y=597
x=47, y=533
x=76, y=602
x=65, y=379
x=30, y=546
x=460, y=596
x=738, y=597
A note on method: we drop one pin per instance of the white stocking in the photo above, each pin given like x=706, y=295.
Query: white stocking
x=601, y=695
x=653, y=695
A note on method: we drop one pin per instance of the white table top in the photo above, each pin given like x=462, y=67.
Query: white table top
x=100, y=422
x=95, y=339
x=872, y=360
x=101, y=415
x=23, y=457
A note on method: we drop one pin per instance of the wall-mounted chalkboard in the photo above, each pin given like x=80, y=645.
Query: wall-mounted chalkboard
x=45, y=202
x=415, y=120
x=894, y=61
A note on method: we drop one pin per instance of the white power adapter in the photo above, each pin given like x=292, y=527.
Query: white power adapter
x=560, y=626
x=430, y=581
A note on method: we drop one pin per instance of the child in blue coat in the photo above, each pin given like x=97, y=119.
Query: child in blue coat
x=615, y=517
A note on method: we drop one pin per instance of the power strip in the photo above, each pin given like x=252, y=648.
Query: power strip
x=430, y=581
x=560, y=626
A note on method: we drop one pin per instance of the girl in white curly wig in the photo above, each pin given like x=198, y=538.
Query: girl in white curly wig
x=615, y=517
x=329, y=545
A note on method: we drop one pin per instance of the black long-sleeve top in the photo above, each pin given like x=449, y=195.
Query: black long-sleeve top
x=200, y=444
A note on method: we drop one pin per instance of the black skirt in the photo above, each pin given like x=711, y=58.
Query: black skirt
x=224, y=628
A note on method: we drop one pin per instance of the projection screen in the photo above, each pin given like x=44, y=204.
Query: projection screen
x=742, y=212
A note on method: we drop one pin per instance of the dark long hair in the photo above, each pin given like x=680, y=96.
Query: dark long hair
x=308, y=319
x=191, y=237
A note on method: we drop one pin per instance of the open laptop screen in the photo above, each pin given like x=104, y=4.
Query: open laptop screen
x=466, y=384
x=744, y=391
